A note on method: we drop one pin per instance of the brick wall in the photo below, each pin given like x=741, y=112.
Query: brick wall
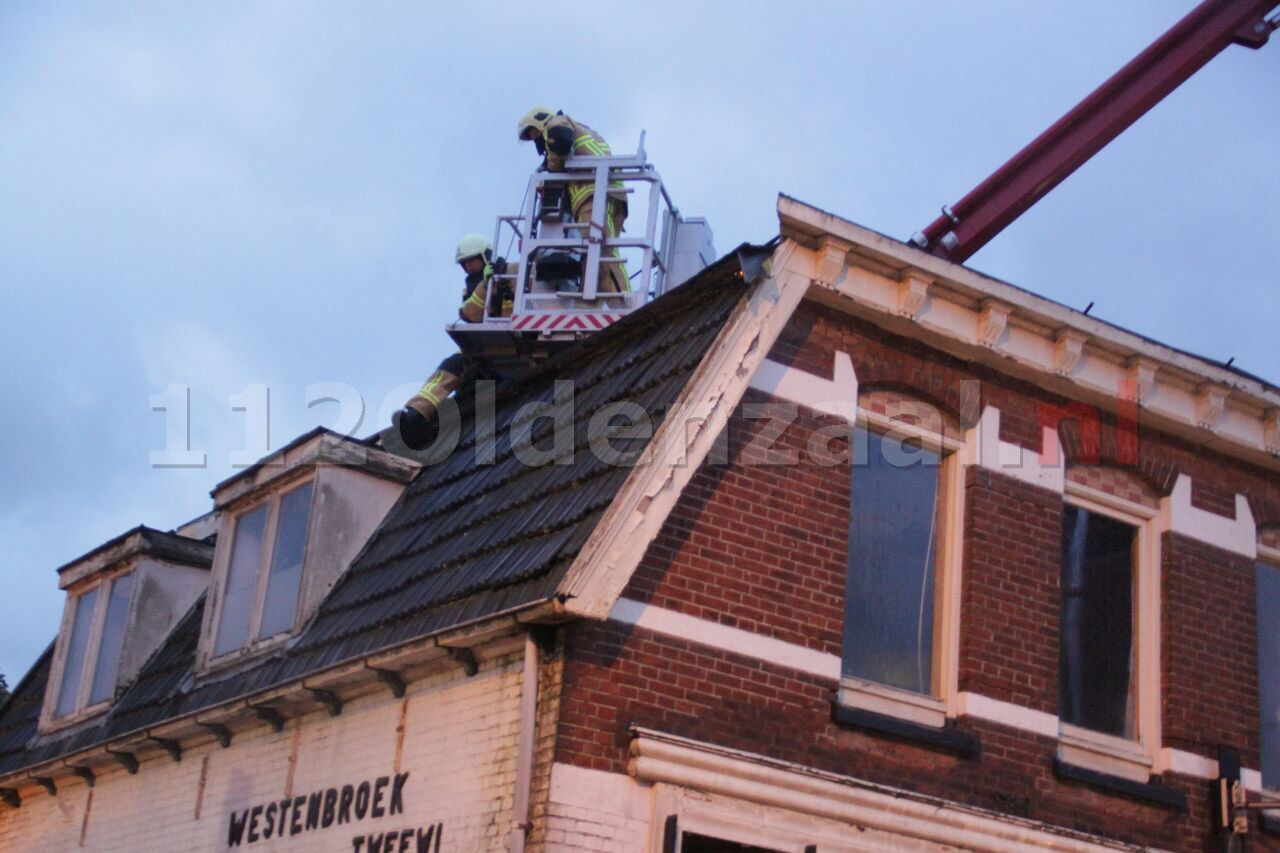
x=595, y=810
x=1209, y=649
x=734, y=701
x=882, y=359
x=1009, y=601
x=455, y=736
x=763, y=548
x=760, y=546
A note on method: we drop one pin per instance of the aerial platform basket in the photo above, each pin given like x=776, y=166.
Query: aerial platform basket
x=555, y=273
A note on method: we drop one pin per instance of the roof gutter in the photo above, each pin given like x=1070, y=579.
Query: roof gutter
x=378, y=664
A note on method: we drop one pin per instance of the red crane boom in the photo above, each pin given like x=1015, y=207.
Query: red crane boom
x=967, y=226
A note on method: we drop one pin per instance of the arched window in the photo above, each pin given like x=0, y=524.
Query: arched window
x=1108, y=696
x=901, y=602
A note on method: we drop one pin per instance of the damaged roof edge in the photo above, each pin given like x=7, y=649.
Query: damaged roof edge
x=807, y=224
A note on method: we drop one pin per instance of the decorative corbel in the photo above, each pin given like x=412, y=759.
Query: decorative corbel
x=10, y=797
x=170, y=746
x=270, y=716
x=992, y=322
x=393, y=680
x=48, y=784
x=467, y=659
x=127, y=760
x=1142, y=373
x=1271, y=430
x=1068, y=351
x=829, y=260
x=219, y=731
x=1211, y=400
x=86, y=775
x=328, y=699
x=912, y=292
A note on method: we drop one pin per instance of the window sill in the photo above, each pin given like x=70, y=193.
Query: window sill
x=893, y=702
x=232, y=661
x=1148, y=791
x=73, y=719
x=946, y=738
x=1103, y=753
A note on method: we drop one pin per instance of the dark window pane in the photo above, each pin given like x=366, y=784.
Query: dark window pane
x=1268, y=587
x=1097, y=622
x=77, y=646
x=242, y=579
x=108, y=665
x=888, y=618
x=693, y=843
x=286, y=563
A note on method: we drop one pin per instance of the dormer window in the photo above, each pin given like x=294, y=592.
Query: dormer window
x=288, y=528
x=260, y=597
x=122, y=600
x=93, y=652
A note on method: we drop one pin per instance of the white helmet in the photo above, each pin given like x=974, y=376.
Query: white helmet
x=473, y=246
x=533, y=123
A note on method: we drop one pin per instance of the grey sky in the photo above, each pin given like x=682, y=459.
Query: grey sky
x=229, y=194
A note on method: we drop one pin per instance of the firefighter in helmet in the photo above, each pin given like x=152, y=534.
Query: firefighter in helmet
x=557, y=137
x=481, y=295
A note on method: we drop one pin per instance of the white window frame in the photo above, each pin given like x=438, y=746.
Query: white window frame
x=1134, y=759
x=1269, y=557
x=222, y=568
x=926, y=710
x=83, y=710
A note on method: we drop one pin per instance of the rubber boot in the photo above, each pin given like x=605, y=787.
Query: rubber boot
x=415, y=430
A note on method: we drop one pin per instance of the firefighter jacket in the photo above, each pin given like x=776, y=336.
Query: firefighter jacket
x=475, y=293
x=565, y=137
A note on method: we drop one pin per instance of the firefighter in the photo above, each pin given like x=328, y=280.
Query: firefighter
x=557, y=136
x=418, y=421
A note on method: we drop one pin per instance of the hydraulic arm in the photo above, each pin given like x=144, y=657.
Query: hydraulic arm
x=967, y=226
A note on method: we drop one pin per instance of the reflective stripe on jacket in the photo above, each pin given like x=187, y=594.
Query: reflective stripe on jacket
x=586, y=143
x=475, y=293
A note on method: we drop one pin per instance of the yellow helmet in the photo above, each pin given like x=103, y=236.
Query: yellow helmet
x=534, y=120
x=474, y=245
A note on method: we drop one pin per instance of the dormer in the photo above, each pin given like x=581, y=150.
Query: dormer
x=288, y=527
x=123, y=599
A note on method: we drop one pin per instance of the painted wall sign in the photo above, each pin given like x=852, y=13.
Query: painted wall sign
x=371, y=799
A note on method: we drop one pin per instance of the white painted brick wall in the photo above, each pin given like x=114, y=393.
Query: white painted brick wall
x=595, y=810
x=459, y=748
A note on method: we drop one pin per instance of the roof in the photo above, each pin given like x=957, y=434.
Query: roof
x=141, y=541
x=803, y=221
x=467, y=540
x=20, y=713
x=1020, y=333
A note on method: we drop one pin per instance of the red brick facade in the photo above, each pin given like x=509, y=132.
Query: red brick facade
x=1010, y=599
x=1210, y=652
x=763, y=548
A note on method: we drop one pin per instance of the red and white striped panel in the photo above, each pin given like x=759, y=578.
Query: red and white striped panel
x=568, y=322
